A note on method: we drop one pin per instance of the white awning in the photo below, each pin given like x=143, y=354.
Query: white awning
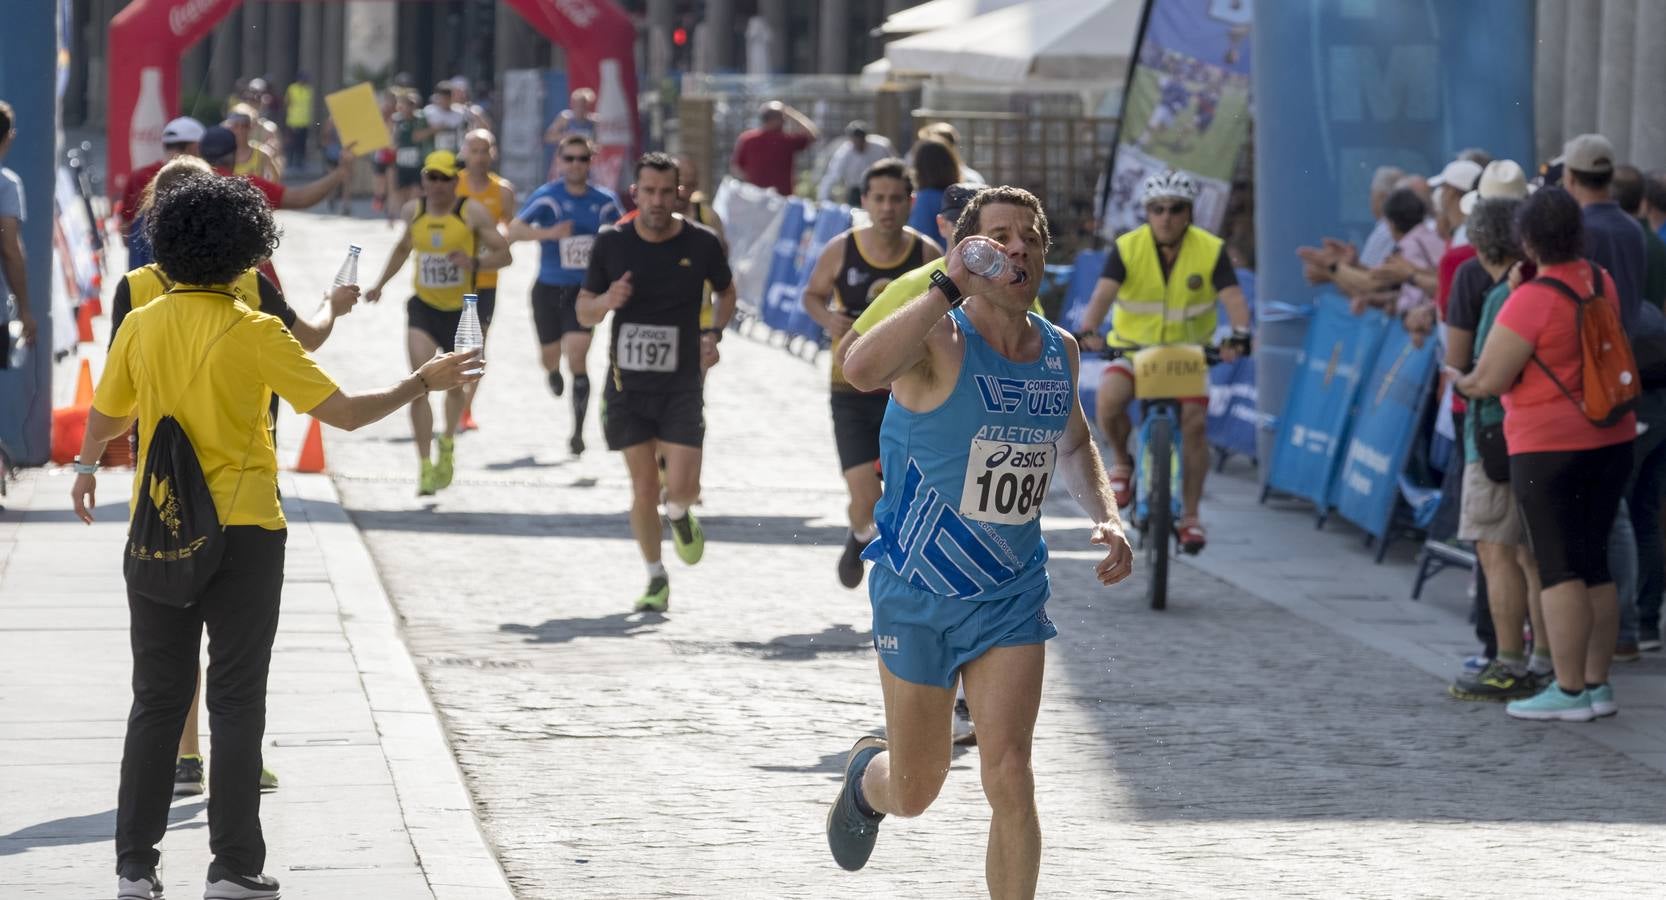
x=939, y=14
x=1084, y=40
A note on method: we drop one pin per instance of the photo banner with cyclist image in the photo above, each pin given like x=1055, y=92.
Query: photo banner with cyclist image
x=1186, y=106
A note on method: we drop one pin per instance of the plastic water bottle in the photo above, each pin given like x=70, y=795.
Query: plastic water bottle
x=469, y=337
x=349, y=271
x=984, y=258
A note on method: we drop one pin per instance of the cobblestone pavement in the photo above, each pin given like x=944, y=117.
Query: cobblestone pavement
x=1226, y=747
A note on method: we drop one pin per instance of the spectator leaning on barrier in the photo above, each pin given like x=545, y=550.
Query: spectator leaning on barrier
x=1562, y=464
x=1457, y=180
x=1489, y=513
x=764, y=155
x=14, y=274
x=850, y=163
x=1380, y=242
x=1411, y=268
x=1627, y=190
x=1356, y=272
x=936, y=167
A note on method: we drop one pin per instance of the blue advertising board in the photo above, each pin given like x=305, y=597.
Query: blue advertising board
x=1083, y=276
x=1344, y=86
x=781, y=293
x=831, y=221
x=1313, y=428
x=1232, y=418
x=1385, y=423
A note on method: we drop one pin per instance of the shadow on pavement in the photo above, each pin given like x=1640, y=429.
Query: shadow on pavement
x=794, y=530
x=526, y=462
x=560, y=631
x=93, y=828
x=833, y=639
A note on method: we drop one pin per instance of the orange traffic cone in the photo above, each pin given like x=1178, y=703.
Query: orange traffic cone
x=312, y=451
x=84, y=324
x=84, y=385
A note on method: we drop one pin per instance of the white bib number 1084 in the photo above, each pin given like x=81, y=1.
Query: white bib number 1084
x=647, y=348
x=1006, y=482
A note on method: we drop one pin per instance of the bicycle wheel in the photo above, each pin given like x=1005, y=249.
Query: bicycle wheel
x=1160, y=518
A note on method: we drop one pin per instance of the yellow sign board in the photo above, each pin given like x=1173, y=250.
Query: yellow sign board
x=1172, y=372
x=358, y=119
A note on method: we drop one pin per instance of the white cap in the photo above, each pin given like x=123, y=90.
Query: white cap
x=1502, y=178
x=183, y=130
x=1459, y=174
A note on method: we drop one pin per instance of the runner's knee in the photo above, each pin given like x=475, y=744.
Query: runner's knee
x=911, y=794
x=1008, y=780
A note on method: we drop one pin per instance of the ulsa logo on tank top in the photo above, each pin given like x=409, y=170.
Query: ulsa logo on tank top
x=1037, y=397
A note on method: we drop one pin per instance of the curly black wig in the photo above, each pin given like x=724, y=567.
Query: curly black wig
x=209, y=229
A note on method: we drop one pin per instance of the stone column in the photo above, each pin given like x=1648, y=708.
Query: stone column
x=833, y=37
x=1579, y=68
x=719, y=33
x=223, y=55
x=310, y=53
x=1549, y=65
x=775, y=13
x=332, y=73
x=252, y=60
x=1648, y=119
x=661, y=20
x=1614, y=73
x=281, y=36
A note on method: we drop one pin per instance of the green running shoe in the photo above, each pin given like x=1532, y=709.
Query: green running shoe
x=1552, y=705
x=1602, y=701
x=687, y=537
x=658, y=596
x=427, y=482
x=446, y=466
x=268, y=779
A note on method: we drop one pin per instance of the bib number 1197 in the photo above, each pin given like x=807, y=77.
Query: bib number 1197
x=1006, y=482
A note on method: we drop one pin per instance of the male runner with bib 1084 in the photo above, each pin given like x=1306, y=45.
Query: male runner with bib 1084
x=455, y=239
x=564, y=216
x=649, y=273
x=983, y=410
x=853, y=269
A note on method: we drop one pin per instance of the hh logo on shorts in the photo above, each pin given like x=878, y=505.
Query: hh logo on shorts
x=1041, y=618
x=886, y=643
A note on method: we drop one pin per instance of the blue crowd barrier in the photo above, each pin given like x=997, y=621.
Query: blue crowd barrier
x=1232, y=415
x=1313, y=428
x=830, y=221
x=781, y=287
x=1084, y=274
x=1385, y=423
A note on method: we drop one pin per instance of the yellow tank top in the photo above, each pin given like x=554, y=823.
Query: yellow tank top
x=441, y=283
x=146, y=283
x=254, y=165
x=491, y=198
x=704, y=215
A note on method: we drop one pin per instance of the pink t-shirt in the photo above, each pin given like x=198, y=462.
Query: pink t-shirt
x=1538, y=417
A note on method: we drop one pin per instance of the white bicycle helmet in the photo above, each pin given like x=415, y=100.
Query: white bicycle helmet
x=1166, y=185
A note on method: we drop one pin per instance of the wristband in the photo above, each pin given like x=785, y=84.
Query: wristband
x=716, y=334
x=82, y=468
x=951, y=291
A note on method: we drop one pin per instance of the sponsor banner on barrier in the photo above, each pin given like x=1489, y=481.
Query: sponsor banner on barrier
x=831, y=221
x=792, y=241
x=1313, y=427
x=1232, y=416
x=1384, y=425
x=1083, y=276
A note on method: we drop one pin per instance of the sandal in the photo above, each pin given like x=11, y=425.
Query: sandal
x=1122, y=485
x=1192, y=537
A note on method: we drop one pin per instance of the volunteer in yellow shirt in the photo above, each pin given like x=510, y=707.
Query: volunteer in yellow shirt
x=202, y=356
x=298, y=117
x=454, y=239
x=1164, y=278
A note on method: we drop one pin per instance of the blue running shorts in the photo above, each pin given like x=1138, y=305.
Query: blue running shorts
x=925, y=638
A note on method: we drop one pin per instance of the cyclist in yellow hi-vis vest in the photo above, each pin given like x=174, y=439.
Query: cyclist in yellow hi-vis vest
x=455, y=239
x=1163, y=279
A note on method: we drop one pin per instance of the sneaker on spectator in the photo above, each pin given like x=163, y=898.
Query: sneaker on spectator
x=1476, y=664
x=1627, y=652
x=1553, y=705
x=1602, y=701
x=1649, y=640
x=1495, y=683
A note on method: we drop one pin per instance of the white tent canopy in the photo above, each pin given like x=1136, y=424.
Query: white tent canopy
x=1087, y=40
x=939, y=14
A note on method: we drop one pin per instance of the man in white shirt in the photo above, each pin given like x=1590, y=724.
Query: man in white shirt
x=843, y=181
x=443, y=114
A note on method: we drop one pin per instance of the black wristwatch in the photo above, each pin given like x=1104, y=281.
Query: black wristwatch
x=716, y=333
x=951, y=291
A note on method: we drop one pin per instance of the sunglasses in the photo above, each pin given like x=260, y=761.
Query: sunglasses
x=583, y=159
x=1172, y=209
x=436, y=176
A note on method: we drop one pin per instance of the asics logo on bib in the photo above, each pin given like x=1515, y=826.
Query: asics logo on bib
x=1012, y=395
x=1017, y=459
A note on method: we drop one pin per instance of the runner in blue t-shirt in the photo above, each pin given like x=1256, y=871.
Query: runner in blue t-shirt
x=564, y=216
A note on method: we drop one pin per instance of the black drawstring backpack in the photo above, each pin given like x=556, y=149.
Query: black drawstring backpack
x=175, y=540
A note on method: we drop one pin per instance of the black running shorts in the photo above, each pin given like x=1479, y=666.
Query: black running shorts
x=856, y=421
x=634, y=417
x=441, y=325
x=555, y=311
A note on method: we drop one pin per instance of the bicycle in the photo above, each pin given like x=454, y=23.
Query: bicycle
x=1163, y=376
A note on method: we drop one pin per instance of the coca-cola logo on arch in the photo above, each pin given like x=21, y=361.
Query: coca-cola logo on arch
x=582, y=12
x=187, y=14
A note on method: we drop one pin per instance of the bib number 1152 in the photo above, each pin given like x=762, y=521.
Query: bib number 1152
x=1006, y=482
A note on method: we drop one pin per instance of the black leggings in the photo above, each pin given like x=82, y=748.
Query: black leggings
x=1569, y=499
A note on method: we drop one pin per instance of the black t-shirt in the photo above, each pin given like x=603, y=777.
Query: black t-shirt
x=656, y=334
x=1223, y=277
x=1468, y=294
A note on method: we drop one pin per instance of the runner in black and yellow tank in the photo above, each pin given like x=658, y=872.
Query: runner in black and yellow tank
x=649, y=273
x=853, y=269
x=480, y=184
x=455, y=240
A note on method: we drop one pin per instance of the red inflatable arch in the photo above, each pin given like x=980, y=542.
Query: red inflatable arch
x=148, y=38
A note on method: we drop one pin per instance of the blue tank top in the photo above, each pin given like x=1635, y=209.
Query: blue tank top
x=964, y=483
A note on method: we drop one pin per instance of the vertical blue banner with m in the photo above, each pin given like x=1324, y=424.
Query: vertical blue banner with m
x=1345, y=86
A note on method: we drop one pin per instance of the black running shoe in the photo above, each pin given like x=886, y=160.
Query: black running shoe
x=576, y=444
x=964, y=734
x=188, y=776
x=224, y=884
x=138, y=884
x=850, y=833
x=1495, y=683
x=850, y=562
x=557, y=386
